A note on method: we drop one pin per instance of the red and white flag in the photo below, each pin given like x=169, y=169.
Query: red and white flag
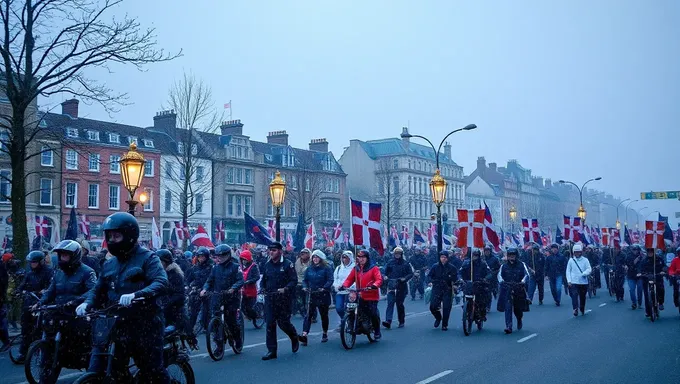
x=310, y=236
x=219, y=232
x=404, y=235
x=289, y=240
x=271, y=228
x=471, y=225
x=572, y=228
x=615, y=238
x=654, y=234
x=84, y=225
x=337, y=232
x=606, y=234
x=531, y=231
x=178, y=231
x=41, y=226
x=324, y=234
x=201, y=238
x=490, y=233
x=366, y=225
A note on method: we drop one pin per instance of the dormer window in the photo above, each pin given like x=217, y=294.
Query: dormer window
x=180, y=147
x=288, y=158
x=132, y=139
x=114, y=138
x=148, y=143
x=71, y=132
x=328, y=164
x=93, y=135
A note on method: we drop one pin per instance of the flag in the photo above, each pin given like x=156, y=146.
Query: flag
x=545, y=239
x=173, y=241
x=299, y=238
x=72, y=226
x=201, y=238
x=417, y=236
x=179, y=232
x=667, y=231
x=228, y=105
x=366, y=225
x=471, y=228
x=155, y=235
x=597, y=235
x=626, y=236
x=84, y=225
x=654, y=232
x=404, y=235
x=289, y=241
x=41, y=226
x=558, y=235
x=572, y=228
x=394, y=236
x=255, y=232
x=271, y=228
x=220, y=234
x=606, y=233
x=430, y=236
x=616, y=238
x=324, y=233
x=490, y=233
x=310, y=236
x=531, y=231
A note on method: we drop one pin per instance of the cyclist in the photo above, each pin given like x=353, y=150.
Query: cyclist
x=475, y=269
x=535, y=262
x=36, y=281
x=442, y=276
x=494, y=264
x=225, y=276
x=513, y=271
x=649, y=265
x=251, y=275
x=133, y=272
x=674, y=273
x=195, y=279
x=367, y=275
x=174, y=301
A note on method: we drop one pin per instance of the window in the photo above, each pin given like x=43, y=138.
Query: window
x=410, y=189
x=93, y=135
x=270, y=207
x=194, y=149
x=182, y=171
x=336, y=186
x=330, y=209
x=132, y=139
x=230, y=205
x=71, y=199
x=409, y=163
x=168, y=169
x=395, y=163
x=93, y=196
x=238, y=202
x=199, y=176
x=114, y=197
x=71, y=132
x=307, y=185
x=71, y=159
x=248, y=201
x=5, y=185
x=148, y=168
x=4, y=139
x=328, y=164
x=199, y=202
x=46, y=157
x=395, y=186
x=114, y=138
x=230, y=176
x=239, y=175
x=381, y=186
x=248, y=176
x=293, y=209
x=293, y=183
x=148, y=143
x=180, y=147
x=45, y=191
x=93, y=162
x=114, y=165
x=149, y=199
x=168, y=200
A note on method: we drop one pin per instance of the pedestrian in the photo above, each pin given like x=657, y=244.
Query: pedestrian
x=442, y=276
x=339, y=276
x=535, y=262
x=578, y=270
x=634, y=283
x=512, y=276
x=555, y=267
x=397, y=272
x=317, y=285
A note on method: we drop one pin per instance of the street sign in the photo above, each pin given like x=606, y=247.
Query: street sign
x=659, y=195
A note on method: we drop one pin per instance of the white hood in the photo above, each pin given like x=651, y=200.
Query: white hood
x=341, y=273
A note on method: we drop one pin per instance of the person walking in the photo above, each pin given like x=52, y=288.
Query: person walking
x=578, y=270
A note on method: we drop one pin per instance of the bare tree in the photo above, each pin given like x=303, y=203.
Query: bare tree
x=192, y=101
x=47, y=46
x=391, y=192
x=306, y=195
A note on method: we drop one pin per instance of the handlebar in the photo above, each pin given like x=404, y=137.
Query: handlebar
x=111, y=308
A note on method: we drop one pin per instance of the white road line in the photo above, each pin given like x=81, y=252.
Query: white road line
x=602, y=305
x=527, y=338
x=435, y=377
x=588, y=310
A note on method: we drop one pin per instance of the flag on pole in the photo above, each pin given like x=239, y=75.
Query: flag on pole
x=220, y=234
x=606, y=234
x=72, y=227
x=417, y=236
x=572, y=228
x=310, y=236
x=490, y=233
x=471, y=228
x=366, y=225
x=84, y=226
x=531, y=231
x=654, y=234
x=337, y=232
x=155, y=234
x=227, y=105
x=201, y=238
x=256, y=232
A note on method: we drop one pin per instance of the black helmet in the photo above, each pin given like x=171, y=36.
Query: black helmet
x=164, y=255
x=71, y=247
x=35, y=256
x=128, y=227
x=476, y=252
x=512, y=251
x=203, y=251
x=536, y=246
x=222, y=250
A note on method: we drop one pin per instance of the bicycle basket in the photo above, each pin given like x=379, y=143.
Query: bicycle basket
x=102, y=330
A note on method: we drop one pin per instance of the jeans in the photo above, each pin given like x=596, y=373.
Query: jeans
x=340, y=302
x=578, y=293
x=556, y=288
x=635, y=286
x=323, y=310
x=511, y=308
x=444, y=299
x=536, y=281
x=371, y=307
x=396, y=298
x=417, y=285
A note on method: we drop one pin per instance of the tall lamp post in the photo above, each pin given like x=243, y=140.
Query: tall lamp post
x=618, y=222
x=513, y=217
x=438, y=184
x=277, y=191
x=628, y=205
x=581, y=211
x=132, y=172
x=637, y=216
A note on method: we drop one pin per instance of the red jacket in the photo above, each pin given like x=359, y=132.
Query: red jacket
x=674, y=269
x=249, y=290
x=370, y=277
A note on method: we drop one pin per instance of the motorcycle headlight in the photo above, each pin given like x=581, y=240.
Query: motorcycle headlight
x=352, y=297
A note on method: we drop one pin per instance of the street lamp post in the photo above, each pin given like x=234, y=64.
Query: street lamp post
x=581, y=211
x=628, y=205
x=618, y=222
x=438, y=184
x=513, y=216
x=277, y=191
x=132, y=172
x=637, y=216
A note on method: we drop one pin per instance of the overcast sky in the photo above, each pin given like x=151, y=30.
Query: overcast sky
x=572, y=89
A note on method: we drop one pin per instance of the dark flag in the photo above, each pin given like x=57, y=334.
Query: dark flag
x=255, y=232
x=299, y=237
x=72, y=227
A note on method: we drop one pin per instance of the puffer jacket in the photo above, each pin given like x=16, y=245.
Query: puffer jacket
x=70, y=287
x=319, y=277
x=578, y=270
x=198, y=274
x=36, y=280
x=368, y=276
x=340, y=275
x=174, y=295
x=478, y=269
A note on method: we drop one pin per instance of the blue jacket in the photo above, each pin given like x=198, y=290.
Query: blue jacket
x=480, y=270
x=224, y=277
x=36, y=280
x=279, y=275
x=536, y=262
x=398, y=269
x=73, y=287
x=513, y=273
x=198, y=275
x=556, y=265
x=442, y=276
x=316, y=278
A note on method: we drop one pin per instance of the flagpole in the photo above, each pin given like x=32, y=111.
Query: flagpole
x=231, y=109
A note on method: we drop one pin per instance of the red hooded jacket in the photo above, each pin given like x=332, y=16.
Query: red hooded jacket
x=368, y=276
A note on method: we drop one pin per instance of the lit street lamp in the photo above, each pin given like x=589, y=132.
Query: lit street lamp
x=438, y=184
x=513, y=217
x=277, y=191
x=581, y=211
x=618, y=222
x=132, y=172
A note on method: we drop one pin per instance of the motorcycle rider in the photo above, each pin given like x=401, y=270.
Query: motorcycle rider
x=494, y=264
x=225, y=277
x=251, y=275
x=36, y=281
x=70, y=284
x=279, y=280
x=513, y=271
x=195, y=279
x=535, y=262
x=475, y=269
x=442, y=276
x=397, y=273
x=650, y=264
x=133, y=272
x=367, y=275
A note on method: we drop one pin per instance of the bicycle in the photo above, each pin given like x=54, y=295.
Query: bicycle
x=17, y=340
x=472, y=312
x=592, y=287
x=104, y=329
x=612, y=276
x=355, y=322
x=258, y=307
x=219, y=334
x=651, y=293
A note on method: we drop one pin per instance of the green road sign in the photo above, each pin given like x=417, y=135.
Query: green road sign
x=659, y=195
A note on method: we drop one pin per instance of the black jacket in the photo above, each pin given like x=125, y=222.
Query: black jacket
x=4, y=283
x=513, y=273
x=198, y=275
x=556, y=265
x=632, y=265
x=398, y=269
x=183, y=264
x=174, y=293
x=93, y=262
x=279, y=275
x=648, y=266
x=141, y=274
x=536, y=262
x=479, y=270
x=494, y=263
x=224, y=277
x=35, y=281
x=70, y=287
x=442, y=276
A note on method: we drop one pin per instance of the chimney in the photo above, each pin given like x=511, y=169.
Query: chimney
x=277, y=137
x=405, y=140
x=232, y=128
x=447, y=150
x=548, y=183
x=165, y=121
x=319, y=145
x=70, y=108
x=492, y=167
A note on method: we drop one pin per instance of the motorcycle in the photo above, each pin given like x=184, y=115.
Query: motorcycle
x=356, y=321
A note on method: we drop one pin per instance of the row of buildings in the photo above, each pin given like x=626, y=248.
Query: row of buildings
x=218, y=176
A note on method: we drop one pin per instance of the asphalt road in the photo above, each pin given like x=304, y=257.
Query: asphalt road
x=610, y=344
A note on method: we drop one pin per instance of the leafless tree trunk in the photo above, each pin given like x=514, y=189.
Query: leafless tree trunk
x=39, y=58
x=391, y=193
x=307, y=195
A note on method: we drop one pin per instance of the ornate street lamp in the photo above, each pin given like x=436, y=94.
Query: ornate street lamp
x=582, y=214
x=581, y=211
x=438, y=189
x=513, y=217
x=132, y=172
x=277, y=191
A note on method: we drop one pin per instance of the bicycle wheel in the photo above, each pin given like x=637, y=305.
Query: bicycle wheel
x=652, y=300
x=611, y=284
x=258, y=322
x=467, y=317
x=14, y=349
x=34, y=362
x=347, y=335
x=181, y=373
x=214, y=339
x=242, y=330
x=90, y=378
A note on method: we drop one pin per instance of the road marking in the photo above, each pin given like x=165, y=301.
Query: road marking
x=602, y=305
x=527, y=338
x=435, y=377
x=588, y=310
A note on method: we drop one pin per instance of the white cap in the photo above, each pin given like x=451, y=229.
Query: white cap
x=578, y=248
x=319, y=254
